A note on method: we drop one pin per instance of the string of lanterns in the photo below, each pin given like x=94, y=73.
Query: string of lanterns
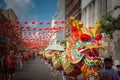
x=30, y=35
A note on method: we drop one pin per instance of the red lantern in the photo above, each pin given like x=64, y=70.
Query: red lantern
x=48, y=22
x=25, y=22
x=21, y=27
x=59, y=28
x=34, y=28
x=5, y=24
x=62, y=22
x=17, y=22
x=41, y=22
x=55, y=22
x=40, y=29
x=13, y=25
x=9, y=20
x=28, y=28
x=46, y=28
x=33, y=22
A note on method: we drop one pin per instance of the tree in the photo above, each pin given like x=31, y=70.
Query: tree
x=63, y=42
x=110, y=24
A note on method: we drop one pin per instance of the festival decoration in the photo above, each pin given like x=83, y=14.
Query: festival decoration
x=48, y=22
x=25, y=22
x=17, y=22
x=33, y=22
x=81, y=54
x=83, y=48
x=62, y=22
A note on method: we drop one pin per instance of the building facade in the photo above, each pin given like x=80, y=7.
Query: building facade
x=60, y=16
x=72, y=9
x=53, y=39
x=93, y=10
x=12, y=33
x=3, y=40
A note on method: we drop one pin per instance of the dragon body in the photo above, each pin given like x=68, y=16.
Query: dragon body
x=82, y=52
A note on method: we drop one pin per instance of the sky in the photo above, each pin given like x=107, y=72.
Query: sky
x=32, y=10
x=35, y=10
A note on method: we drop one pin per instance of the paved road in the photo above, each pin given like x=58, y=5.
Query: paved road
x=35, y=70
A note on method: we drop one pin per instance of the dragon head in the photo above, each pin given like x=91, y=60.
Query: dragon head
x=84, y=44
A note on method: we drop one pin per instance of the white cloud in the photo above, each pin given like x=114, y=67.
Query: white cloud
x=21, y=7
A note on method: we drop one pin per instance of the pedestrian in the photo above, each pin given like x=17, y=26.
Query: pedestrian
x=11, y=65
x=108, y=72
x=4, y=66
x=33, y=55
x=117, y=67
x=20, y=59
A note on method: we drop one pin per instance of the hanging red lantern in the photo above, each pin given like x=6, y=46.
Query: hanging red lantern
x=40, y=29
x=55, y=28
x=34, y=28
x=5, y=24
x=25, y=22
x=62, y=22
x=28, y=27
x=33, y=22
x=13, y=25
x=48, y=22
x=60, y=27
x=21, y=27
x=46, y=28
x=17, y=22
x=9, y=20
x=55, y=22
x=41, y=22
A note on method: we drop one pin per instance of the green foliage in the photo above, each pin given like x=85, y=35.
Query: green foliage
x=110, y=24
x=116, y=7
x=63, y=42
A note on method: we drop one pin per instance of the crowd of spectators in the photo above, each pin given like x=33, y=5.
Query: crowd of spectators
x=11, y=61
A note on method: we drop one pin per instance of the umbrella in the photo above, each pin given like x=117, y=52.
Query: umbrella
x=57, y=47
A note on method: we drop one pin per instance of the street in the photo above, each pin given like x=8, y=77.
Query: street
x=34, y=70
